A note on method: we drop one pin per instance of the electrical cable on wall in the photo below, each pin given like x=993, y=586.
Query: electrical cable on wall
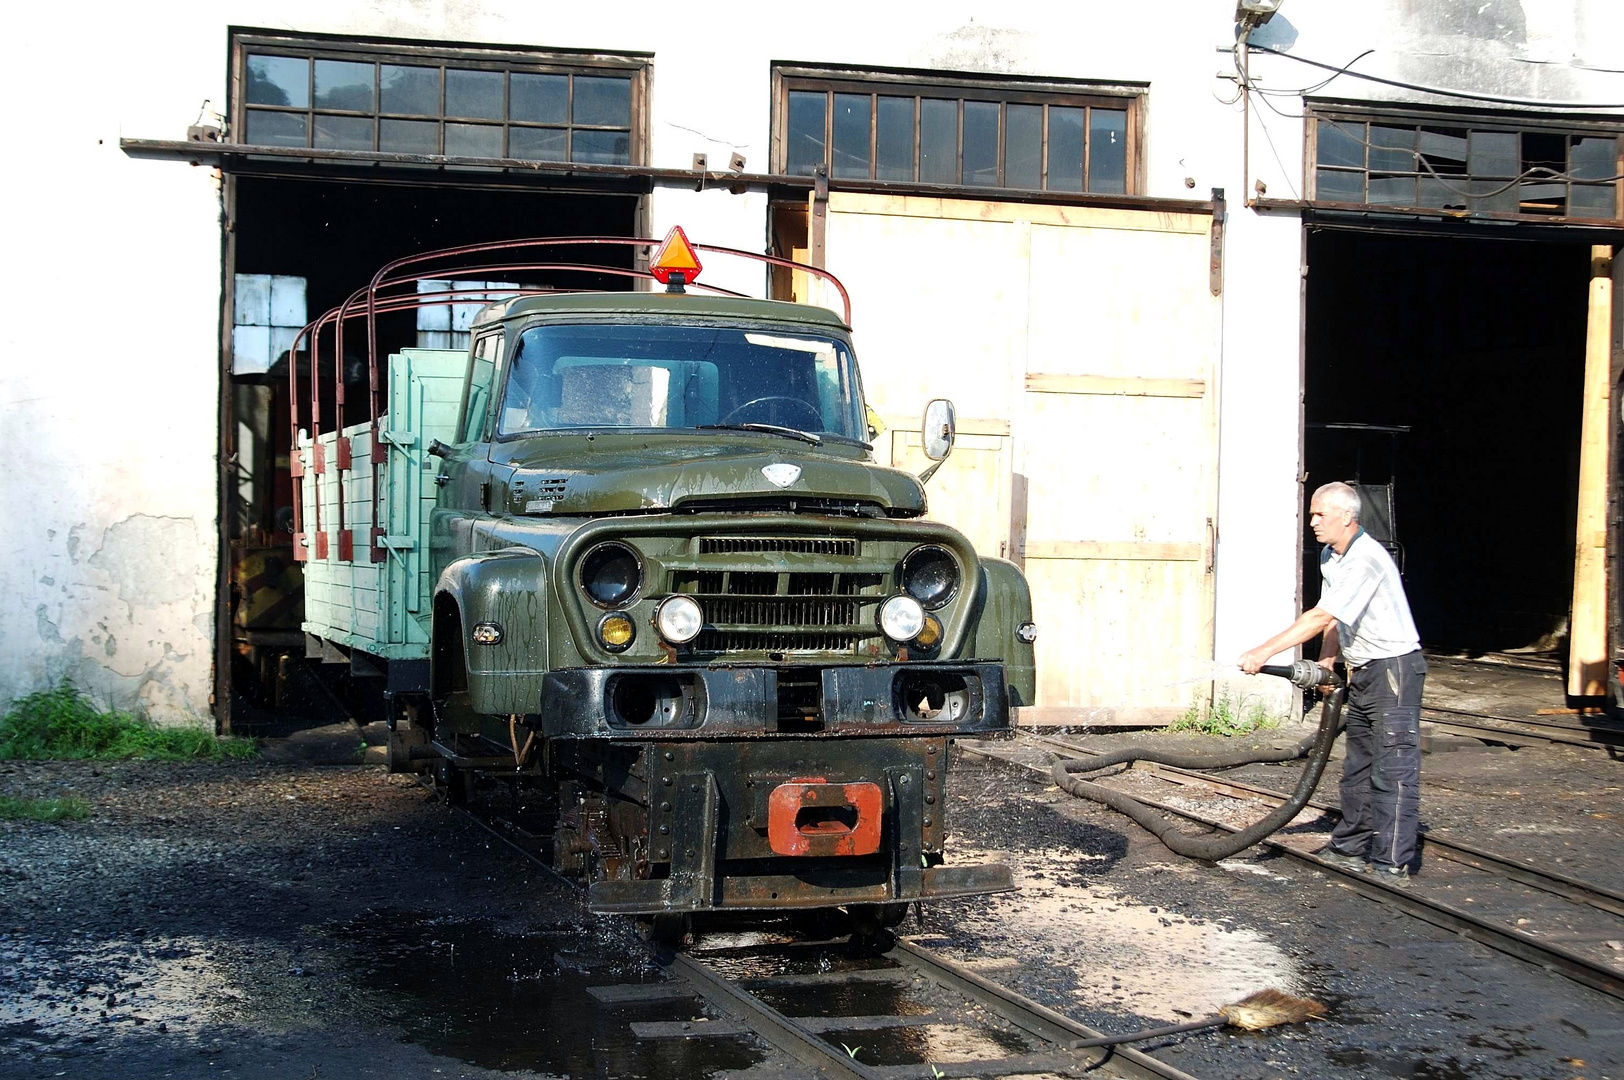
x=1435, y=90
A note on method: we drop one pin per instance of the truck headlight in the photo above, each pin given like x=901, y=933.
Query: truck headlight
x=679, y=619
x=610, y=574
x=902, y=618
x=616, y=632
x=930, y=575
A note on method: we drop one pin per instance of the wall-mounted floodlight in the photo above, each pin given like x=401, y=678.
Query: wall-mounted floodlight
x=1251, y=14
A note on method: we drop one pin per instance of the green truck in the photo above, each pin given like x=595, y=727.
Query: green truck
x=632, y=551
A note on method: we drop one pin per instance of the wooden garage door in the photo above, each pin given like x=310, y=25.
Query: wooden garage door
x=1092, y=333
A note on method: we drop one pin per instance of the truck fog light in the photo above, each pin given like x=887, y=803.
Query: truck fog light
x=902, y=618
x=931, y=634
x=616, y=632
x=678, y=619
x=487, y=633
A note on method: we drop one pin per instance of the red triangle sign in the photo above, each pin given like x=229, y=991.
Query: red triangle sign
x=675, y=255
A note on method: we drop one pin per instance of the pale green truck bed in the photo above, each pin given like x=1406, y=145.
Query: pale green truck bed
x=382, y=608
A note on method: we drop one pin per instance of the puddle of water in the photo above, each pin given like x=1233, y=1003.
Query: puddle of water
x=80, y=989
x=507, y=1001
x=1443, y=1067
x=763, y=963
x=858, y=999
x=1146, y=959
x=938, y=1043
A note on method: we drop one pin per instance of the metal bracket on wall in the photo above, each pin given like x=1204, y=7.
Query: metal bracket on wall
x=818, y=231
x=1216, y=275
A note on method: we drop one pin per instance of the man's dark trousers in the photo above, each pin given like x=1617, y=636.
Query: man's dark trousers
x=1381, y=776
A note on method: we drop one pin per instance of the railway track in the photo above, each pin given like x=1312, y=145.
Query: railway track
x=1606, y=734
x=1573, y=930
x=798, y=996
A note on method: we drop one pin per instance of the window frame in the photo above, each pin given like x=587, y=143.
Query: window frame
x=1003, y=91
x=1467, y=123
x=380, y=51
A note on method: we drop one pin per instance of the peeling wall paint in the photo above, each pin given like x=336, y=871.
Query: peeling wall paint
x=110, y=443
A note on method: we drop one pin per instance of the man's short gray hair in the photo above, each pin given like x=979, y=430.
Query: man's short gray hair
x=1340, y=496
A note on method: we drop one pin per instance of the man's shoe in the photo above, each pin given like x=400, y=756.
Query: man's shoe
x=1342, y=859
x=1396, y=876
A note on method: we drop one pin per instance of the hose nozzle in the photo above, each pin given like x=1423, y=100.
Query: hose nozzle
x=1303, y=673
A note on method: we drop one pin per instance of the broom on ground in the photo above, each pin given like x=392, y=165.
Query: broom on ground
x=1264, y=1009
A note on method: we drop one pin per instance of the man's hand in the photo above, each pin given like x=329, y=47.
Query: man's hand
x=1252, y=661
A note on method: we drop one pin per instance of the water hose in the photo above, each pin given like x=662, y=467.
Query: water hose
x=1304, y=673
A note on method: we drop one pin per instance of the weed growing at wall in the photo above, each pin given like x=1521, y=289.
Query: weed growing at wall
x=63, y=724
x=49, y=810
x=1227, y=714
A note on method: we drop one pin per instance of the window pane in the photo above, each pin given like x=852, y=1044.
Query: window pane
x=1448, y=194
x=1390, y=149
x=277, y=128
x=473, y=93
x=1392, y=190
x=803, y=137
x=343, y=85
x=1108, y=150
x=473, y=140
x=1591, y=200
x=601, y=147
x=539, y=99
x=1444, y=151
x=850, y=157
x=1496, y=196
x=1542, y=197
x=1492, y=153
x=1340, y=144
x=602, y=102
x=409, y=136
x=278, y=80
x=1065, y=149
x=537, y=144
x=1023, y=146
x=1331, y=185
x=981, y=143
x=1592, y=159
x=894, y=139
x=412, y=91
x=344, y=132
x=938, y=141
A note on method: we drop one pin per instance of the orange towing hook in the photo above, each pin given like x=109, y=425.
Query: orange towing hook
x=810, y=817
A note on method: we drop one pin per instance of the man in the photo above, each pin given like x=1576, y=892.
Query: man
x=1363, y=613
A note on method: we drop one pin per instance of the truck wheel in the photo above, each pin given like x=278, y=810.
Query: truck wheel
x=403, y=737
x=871, y=921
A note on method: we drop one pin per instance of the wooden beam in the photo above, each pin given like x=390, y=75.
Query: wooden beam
x=1111, y=386
x=1587, y=648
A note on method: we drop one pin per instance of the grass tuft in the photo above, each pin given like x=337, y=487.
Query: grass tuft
x=50, y=810
x=1227, y=714
x=62, y=724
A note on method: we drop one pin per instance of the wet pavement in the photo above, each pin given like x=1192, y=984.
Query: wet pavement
x=298, y=921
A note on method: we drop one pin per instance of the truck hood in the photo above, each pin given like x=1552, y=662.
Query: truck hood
x=661, y=474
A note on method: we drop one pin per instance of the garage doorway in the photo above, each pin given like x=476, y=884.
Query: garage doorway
x=310, y=242
x=1450, y=373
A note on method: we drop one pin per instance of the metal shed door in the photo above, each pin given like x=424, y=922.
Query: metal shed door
x=1092, y=333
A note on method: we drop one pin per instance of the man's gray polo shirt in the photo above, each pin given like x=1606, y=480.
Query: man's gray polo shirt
x=1364, y=593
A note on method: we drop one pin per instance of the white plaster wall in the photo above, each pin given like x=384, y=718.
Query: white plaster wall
x=109, y=437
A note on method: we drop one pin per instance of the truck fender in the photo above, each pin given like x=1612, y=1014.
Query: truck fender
x=1007, y=605
x=507, y=589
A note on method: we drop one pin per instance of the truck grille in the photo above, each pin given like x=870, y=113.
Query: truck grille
x=733, y=545
x=755, y=611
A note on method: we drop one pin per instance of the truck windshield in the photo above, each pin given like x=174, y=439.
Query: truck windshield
x=664, y=376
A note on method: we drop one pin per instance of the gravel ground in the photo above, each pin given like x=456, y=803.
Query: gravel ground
x=297, y=921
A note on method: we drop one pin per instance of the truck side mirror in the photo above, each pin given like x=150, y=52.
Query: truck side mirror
x=938, y=430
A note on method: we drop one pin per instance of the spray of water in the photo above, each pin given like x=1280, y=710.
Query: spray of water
x=1202, y=671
